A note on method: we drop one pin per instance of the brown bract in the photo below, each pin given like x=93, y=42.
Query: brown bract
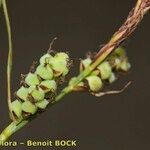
x=133, y=19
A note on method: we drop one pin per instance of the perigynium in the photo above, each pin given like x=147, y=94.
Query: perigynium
x=40, y=85
x=106, y=72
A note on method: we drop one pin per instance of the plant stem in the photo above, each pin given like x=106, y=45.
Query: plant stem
x=0, y=3
x=126, y=29
x=11, y=129
x=133, y=19
x=9, y=61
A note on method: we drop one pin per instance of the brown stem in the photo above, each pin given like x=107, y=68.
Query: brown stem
x=133, y=19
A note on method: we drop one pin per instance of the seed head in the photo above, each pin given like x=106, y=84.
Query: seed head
x=37, y=93
x=60, y=64
x=85, y=63
x=28, y=107
x=94, y=83
x=62, y=56
x=41, y=85
x=120, y=51
x=17, y=108
x=45, y=59
x=45, y=72
x=48, y=85
x=42, y=104
x=32, y=79
x=105, y=70
x=124, y=65
x=112, y=78
x=22, y=93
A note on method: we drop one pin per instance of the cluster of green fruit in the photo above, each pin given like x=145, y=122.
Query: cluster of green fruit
x=40, y=86
x=105, y=72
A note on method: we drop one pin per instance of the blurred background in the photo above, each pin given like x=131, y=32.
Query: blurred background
x=114, y=122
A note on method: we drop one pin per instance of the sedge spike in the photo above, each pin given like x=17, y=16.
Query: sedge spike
x=39, y=87
x=32, y=96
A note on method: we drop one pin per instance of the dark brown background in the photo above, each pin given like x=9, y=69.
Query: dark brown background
x=116, y=122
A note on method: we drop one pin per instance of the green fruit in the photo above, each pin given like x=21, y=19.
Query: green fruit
x=95, y=83
x=59, y=64
x=105, y=70
x=117, y=63
x=45, y=72
x=65, y=71
x=62, y=56
x=42, y=104
x=32, y=79
x=125, y=65
x=45, y=59
x=28, y=107
x=22, y=93
x=112, y=78
x=37, y=93
x=60, y=67
x=48, y=85
x=16, y=107
x=120, y=51
x=86, y=62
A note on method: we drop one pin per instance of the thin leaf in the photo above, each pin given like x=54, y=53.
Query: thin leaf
x=9, y=60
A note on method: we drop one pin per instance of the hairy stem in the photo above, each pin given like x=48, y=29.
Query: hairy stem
x=134, y=18
x=9, y=61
